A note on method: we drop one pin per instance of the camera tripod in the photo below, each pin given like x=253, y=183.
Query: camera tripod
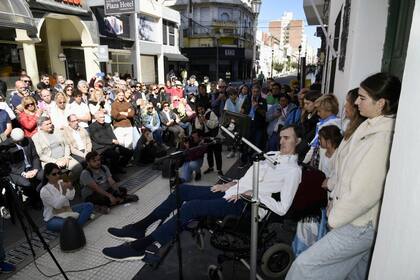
x=21, y=213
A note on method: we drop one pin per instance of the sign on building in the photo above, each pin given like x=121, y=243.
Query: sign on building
x=117, y=7
x=103, y=53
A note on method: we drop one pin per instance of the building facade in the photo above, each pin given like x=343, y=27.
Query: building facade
x=66, y=37
x=289, y=32
x=217, y=37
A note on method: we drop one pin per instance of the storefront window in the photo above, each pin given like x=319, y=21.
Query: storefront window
x=10, y=64
x=121, y=63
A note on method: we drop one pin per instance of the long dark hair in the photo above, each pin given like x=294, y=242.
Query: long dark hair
x=48, y=168
x=386, y=86
x=357, y=118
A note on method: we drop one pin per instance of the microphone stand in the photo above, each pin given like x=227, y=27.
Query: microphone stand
x=255, y=200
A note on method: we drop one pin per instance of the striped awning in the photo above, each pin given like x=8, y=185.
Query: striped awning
x=16, y=14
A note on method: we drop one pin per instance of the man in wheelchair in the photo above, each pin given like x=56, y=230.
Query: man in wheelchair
x=277, y=187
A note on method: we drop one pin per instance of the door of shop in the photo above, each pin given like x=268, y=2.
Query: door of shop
x=397, y=35
x=76, y=67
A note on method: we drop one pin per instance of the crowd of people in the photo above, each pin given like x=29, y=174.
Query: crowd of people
x=96, y=128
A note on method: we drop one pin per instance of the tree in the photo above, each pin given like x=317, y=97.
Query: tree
x=278, y=67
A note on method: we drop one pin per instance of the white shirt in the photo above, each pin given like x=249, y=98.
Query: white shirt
x=284, y=177
x=5, y=107
x=78, y=139
x=59, y=117
x=53, y=198
x=79, y=110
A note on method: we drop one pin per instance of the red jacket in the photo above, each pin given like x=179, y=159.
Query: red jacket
x=28, y=123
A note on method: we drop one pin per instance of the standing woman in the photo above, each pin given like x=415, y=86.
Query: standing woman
x=56, y=195
x=344, y=253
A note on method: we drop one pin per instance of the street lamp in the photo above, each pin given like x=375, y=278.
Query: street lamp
x=217, y=37
x=256, y=6
x=62, y=57
x=272, y=62
x=298, y=70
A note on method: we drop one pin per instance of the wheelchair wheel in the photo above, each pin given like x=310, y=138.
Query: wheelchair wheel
x=277, y=260
x=214, y=272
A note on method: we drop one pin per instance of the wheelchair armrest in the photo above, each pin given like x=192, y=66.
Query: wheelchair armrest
x=248, y=199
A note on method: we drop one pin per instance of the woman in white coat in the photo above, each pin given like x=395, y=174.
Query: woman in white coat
x=345, y=251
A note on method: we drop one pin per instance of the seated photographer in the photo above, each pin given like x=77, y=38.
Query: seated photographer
x=51, y=147
x=146, y=149
x=77, y=138
x=277, y=187
x=56, y=195
x=99, y=187
x=106, y=144
x=25, y=165
x=194, y=155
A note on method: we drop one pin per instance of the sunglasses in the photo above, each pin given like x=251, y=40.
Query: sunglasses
x=29, y=104
x=149, y=108
x=26, y=81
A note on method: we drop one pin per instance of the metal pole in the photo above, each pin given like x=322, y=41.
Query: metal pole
x=255, y=202
x=254, y=45
x=137, y=39
x=217, y=59
x=272, y=62
x=254, y=220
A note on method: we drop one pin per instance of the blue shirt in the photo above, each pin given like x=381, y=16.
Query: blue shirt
x=4, y=120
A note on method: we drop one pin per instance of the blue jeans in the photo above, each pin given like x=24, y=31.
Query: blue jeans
x=157, y=135
x=2, y=253
x=200, y=202
x=188, y=167
x=186, y=125
x=343, y=253
x=84, y=209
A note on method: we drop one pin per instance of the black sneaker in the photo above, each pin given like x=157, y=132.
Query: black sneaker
x=123, y=252
x=198, y=176
x=131, y=198
x=220, y=172
x=210, y=169
x=126, y=233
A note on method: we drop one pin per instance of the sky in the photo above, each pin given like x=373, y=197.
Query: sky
x=274, y=9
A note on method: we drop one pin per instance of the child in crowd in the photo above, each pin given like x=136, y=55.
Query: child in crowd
x=329, y=140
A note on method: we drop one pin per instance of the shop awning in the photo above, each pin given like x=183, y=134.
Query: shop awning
x=175, y=57
x=16, y=14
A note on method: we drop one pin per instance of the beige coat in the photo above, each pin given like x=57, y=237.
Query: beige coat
x=360, y=176
x=44, y=151
x=68, y=137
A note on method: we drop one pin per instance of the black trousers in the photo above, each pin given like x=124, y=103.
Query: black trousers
x=116, y=157
x=99, y=199
x=216, y=150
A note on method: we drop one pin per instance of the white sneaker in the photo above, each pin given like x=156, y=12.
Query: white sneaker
x=231, y=155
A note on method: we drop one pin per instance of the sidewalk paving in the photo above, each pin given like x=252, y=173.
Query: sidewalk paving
x=97, y=237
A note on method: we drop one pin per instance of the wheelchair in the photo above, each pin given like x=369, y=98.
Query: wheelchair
x=274, y=255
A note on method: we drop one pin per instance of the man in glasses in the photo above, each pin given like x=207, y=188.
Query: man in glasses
x=78, y=139
x=51, y=147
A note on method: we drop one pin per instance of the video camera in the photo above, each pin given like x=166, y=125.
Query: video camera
x=9, y=154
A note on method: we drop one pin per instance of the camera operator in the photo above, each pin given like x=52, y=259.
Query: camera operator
x=207, y=122
x=25, y=165
x=194, y=155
